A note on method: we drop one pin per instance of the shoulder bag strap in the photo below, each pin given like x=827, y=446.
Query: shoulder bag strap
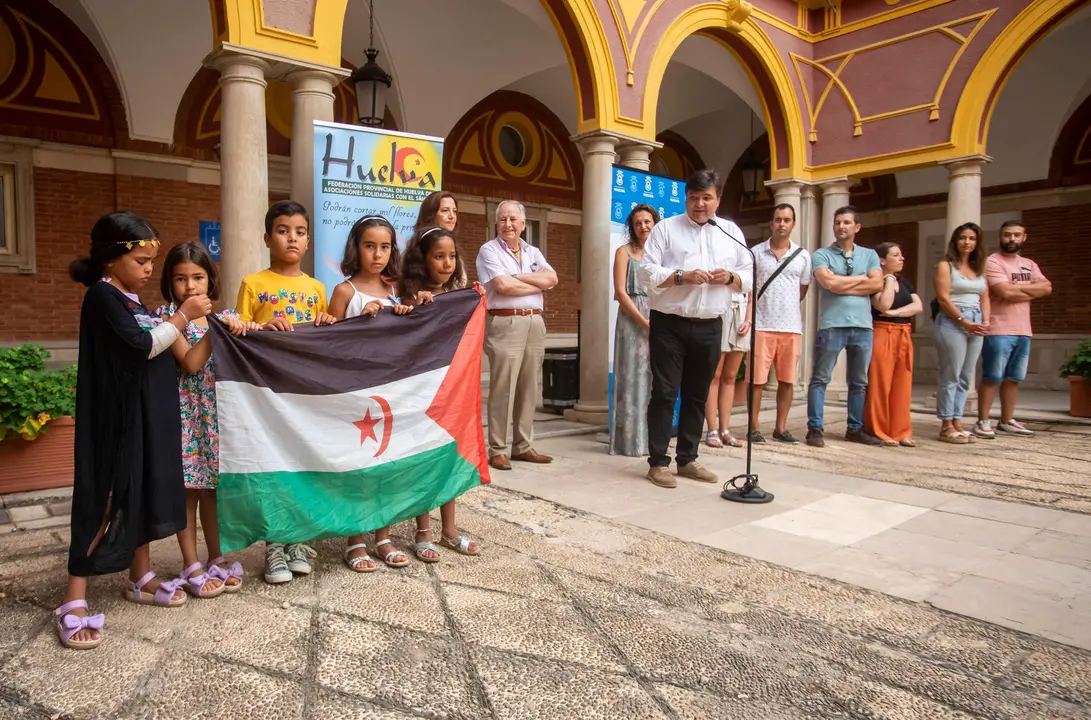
x=776, y=272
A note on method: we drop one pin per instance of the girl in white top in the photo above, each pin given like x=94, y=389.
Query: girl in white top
x=370, y=263
x=431, y=267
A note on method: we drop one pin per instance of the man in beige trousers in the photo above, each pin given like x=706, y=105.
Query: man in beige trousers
x=515, y=274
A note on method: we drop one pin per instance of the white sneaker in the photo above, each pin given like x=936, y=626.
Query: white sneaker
x=984, y=429
x=1014, y=427
x=297, y=558
x=276, y=564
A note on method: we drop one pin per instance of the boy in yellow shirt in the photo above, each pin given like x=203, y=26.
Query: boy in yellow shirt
x=278, y=298
x=284, y=295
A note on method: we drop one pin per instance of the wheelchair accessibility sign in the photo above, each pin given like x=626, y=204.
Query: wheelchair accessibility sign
x=210, y=237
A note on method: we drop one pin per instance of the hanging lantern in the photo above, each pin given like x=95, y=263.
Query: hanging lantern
x=371, y=82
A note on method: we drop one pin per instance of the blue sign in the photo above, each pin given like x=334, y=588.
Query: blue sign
x=210, y=237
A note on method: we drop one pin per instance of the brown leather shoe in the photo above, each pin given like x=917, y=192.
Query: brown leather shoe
x=500, y=462
x=532, y=456
x=662, y=477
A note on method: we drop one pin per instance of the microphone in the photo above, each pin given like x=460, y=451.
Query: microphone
x=748, y=492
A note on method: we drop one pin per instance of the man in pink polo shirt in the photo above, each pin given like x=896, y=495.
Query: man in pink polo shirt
x=1013, y=282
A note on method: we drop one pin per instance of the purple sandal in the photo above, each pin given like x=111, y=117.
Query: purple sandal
x=235, y=571
x=68, y=625
x=195, y=582
x=164, y=596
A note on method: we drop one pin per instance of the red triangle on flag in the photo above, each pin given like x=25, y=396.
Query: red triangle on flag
x=456, y=406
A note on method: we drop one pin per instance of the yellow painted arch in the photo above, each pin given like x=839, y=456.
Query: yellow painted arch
x=714, y=15
x=970, y=129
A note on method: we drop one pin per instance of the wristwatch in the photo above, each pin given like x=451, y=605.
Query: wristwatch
x=677, y=277
x=730, y=277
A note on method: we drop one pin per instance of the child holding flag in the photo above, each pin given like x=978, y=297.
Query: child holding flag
x=127, y=489
x=277, y=298
x=370, y=263
x=189, y=272
x=432, y=266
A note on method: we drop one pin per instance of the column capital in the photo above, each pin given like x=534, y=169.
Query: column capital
x=836, y=186
x=965, y=165
x=304, y=77
x=808, y=191
x=596, y=143
x=274, y=66
x=789, y=184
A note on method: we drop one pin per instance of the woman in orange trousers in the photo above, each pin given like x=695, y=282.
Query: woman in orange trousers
x=890, y=377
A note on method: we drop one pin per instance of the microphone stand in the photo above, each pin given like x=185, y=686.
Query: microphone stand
x=748, y=492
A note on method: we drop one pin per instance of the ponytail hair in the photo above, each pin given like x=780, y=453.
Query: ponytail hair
x=112, y=236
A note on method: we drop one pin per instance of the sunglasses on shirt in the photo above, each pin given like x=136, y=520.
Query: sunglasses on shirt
x=848, y=264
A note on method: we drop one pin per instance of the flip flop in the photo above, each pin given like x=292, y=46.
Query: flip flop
x=392, y=553
x=68, y=625
x=195, y=582
x=460, y=545
x=235, y=571
x=163, y=596
x=908, y=442
x=355, y=563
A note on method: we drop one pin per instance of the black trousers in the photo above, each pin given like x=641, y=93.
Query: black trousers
x=684, y=353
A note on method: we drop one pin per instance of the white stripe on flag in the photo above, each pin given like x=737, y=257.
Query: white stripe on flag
x=264, y=431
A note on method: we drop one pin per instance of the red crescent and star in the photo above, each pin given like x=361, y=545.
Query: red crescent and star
x=367, y=425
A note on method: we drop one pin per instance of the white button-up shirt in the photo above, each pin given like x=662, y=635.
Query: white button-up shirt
x=778, y=310
x=494, y=259
x=678, y=243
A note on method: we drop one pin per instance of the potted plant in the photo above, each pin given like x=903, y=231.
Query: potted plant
x=1077, y=368
x=37, y=429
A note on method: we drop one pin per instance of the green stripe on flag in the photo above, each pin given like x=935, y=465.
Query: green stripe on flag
x=294, y=507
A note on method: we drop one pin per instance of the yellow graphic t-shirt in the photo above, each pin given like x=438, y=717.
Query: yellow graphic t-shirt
x=266, y=295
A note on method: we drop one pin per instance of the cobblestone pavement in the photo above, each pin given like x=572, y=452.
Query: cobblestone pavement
x=1050, y=469
x=565, y=615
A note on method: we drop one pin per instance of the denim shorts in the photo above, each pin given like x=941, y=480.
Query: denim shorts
x=1005, y=357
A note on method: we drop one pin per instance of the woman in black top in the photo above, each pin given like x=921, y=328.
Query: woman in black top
x=890, y=377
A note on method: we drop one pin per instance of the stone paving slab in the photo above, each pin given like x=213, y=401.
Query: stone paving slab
x=566, y=615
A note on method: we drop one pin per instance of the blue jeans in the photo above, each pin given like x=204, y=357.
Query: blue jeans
x=1005, y=357
x=957, y=351
x=827, y=347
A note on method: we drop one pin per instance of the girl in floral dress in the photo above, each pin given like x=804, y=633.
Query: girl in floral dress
x=189, y=271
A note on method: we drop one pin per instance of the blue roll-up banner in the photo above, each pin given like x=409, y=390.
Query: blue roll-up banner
x=629, y=188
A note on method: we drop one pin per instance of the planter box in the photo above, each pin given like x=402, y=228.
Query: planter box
x=41, y=464
x=1079, y=397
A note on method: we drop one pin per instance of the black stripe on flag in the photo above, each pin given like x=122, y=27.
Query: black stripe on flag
x=350, y=355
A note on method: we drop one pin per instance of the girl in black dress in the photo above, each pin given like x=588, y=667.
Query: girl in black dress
x=128, y=488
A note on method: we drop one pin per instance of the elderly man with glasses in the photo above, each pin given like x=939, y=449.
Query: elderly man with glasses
x=847, y=275
x=515, y=274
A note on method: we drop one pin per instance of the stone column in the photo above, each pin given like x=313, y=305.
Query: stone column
x=809, y=239
x=637, y=155
x=312, y=99
x=244, y=168
x=964, y=190
x=595, y=267
x=835, y=194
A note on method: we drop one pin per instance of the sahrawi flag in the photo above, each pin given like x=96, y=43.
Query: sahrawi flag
x=331, y=431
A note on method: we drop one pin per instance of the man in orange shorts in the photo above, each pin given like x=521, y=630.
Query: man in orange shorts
x=784, y=275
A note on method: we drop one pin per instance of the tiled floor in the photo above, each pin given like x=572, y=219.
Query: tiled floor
x=1012, y=564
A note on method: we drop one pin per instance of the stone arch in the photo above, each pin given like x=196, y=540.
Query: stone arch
x=970, y=129
x=750, y=45
x=1070, y=162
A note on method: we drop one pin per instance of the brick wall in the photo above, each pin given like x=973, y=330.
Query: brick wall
x=907, y=235
x=45, y=305
x=1056, y=238
x=562, y=243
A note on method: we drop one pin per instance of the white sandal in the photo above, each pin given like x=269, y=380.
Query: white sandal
x=393, y=552
x=713, y=439
x=354, y=563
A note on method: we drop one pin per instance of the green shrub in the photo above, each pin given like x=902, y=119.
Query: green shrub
x=1078, y=364
x=30, y=395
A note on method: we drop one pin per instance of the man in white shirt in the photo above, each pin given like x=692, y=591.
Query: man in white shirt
x=691, y=267
x=784, y=276
x=515, y=274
